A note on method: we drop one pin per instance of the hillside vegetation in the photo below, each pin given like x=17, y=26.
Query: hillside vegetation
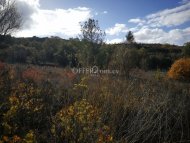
x=83, y=90
x=55, y=51
x=44, y=100
x=48, y=104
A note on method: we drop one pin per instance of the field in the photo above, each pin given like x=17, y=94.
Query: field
x=52, y=104
x=64, y=79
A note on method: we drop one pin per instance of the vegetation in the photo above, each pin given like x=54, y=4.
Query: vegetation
x=186, y=49
x=75, y=53
x=44, y=99
x=130, y=38
x=94, y=36
x=180, y=70
x=91, y=32
x=61, y=106
x=80, y=122
x=10, y=18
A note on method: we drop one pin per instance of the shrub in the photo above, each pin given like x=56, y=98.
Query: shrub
x=2, y=66
x=125, y=59
x=80, y=122
x=180, y=70
x=17, y=54
x=32, y=74
x=186, y=50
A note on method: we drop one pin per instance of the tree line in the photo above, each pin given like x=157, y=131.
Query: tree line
x=88, y=49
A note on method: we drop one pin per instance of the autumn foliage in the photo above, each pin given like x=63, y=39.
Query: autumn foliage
x=33, y=74
x=51, y=105
x=180, y=70
x=82, y=122
x=2, y=65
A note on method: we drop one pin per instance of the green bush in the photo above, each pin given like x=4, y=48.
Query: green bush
x=186, y=50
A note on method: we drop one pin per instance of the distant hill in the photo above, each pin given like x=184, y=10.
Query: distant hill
x=74, y=52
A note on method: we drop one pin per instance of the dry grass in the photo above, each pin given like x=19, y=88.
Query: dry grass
x=136, y=110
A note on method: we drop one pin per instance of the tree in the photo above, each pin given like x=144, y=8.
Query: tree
x=93, y=36
x=186, y=49
x=10, y=18
x=91, y=32
x=124, y=60
x=130, y=38
x=66, y=56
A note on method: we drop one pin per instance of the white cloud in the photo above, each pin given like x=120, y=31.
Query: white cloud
x=156, y=35
x=149, y=29
x=100, y=13
x=136, y=20
x=96, y=13
x=64, y=22
x=170, y=11
x=114, y=41
x=105, y=12
x=33, y=3
x=27, y=8
x=170, y=17
x=184, y=1
x=117, y=29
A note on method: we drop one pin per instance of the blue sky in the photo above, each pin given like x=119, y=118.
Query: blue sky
x=160, y=21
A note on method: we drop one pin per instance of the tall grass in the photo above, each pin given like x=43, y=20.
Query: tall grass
x=78, y=108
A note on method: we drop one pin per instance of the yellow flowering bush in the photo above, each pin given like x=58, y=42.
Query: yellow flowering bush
x=25, y=105
x=25, y=109
x=29, y=96
x=80, y=122
x=80, y=90
x=28, y=138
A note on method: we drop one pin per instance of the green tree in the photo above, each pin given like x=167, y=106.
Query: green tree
x=186, y=49
x=91, y=32
x=130, y=37
x=94, y=37
x=17, y=54
x=66, y=56
x=124, y=60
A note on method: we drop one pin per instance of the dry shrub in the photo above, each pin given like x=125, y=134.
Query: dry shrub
x=33, y=74
x=95, y=109
x=140, y=111
x=2, y=66
x=71, y=75
x=180, y=70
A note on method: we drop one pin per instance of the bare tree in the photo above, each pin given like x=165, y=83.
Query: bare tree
x=10, y=18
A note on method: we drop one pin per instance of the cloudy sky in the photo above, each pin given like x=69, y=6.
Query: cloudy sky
x=159, y=21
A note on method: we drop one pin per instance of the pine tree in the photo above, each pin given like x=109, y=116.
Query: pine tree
x=130, y=38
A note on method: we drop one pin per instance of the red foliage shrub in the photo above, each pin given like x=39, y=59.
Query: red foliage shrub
x=2, y=65
x=71, y=75
x=33, y=74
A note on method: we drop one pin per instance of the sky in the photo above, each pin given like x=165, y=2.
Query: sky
x=158, y=21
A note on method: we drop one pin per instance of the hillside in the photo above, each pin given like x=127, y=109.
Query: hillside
x=56, y=90
x=55, y=51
